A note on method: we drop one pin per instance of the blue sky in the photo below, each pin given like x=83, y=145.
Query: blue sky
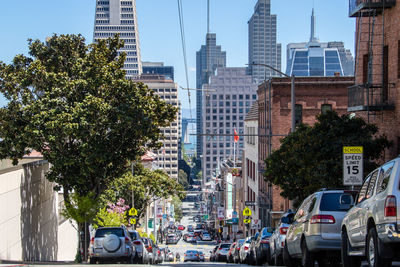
x=159, y=27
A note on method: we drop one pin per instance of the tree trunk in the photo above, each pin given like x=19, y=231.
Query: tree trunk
x=84, y=240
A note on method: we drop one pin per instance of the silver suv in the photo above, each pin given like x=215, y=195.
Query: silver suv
x=111, y=243
x=371, y=229
x=314, y=232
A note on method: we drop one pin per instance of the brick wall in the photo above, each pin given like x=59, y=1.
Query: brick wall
x=388, y=121
x=311, y=93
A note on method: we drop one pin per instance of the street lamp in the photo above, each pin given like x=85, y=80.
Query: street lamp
x=292, y=78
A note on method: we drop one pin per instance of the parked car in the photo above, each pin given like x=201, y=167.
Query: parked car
x=159, y=258
x=261, y=247
x=191, y=255
x=181, y=227
x=370, y=230
x=190, y=228
x=206, y=236
x=111, y=244
x=222, y=252
x=236, y=250
x=171, y=239
x=190, y=237
x=142, y=255
x=277, y=240
x=213, y=253
x=229, y=257
x=151, y=249
x=244, y=253
x=201, y=256
x=315, y=232
x=170, y=256
x=252, y=258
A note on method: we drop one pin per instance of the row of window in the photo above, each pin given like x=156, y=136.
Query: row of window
x=126, y=16
x=221, y=117
x=162, y=90
x=228, y=110
x=103, y=9
x=229, y=103
x=103, y=3
x=132, y=41
x=129, y=21
x=130, y=66
x=114, y=28
x=112, y=34
x=126, y=9
x=251, y=169
x=131, y=59
x=126, y=3
x=227, y=124
x=233, y=97
x=168, y=97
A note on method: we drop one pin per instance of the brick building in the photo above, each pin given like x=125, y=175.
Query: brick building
x=313, y=95
x=375, y=94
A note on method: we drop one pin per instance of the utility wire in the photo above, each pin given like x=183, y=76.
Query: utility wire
x=182, y=29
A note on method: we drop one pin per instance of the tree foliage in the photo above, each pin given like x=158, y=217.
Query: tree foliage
x=311, y=157
x=72, y=103
x=177, y=208
x=145, y=185
x=183, y=178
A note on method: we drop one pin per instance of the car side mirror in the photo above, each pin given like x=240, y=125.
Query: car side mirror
x=346, y=201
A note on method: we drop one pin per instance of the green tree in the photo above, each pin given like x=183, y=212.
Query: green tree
x=311, y=157
x=71, y=102
x=145, y=186
x=183, y=179
x=177, y=208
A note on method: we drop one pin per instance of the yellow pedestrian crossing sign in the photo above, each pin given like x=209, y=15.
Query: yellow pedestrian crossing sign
x=247, y=212
x=132, y=212
x=132, y=221
x=247, y=221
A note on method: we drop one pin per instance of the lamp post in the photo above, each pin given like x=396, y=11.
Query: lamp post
x=292, y=89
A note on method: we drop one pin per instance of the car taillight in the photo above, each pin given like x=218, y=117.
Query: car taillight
x=238, y=249
x=283, y=230
x=127, y=239
x=220, y=248
x=322, y=219
x=149, y=249
x=137, y=242
x=197, y=255
x=246, y=248
x=390, y=206
x=158, y=252
x=92, y=241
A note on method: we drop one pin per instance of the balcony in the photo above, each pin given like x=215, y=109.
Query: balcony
x=369, y=98
x=363, y=7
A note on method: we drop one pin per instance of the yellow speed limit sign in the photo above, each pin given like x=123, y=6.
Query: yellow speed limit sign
x=132, y=212
x=247, y=212
x=132, y=221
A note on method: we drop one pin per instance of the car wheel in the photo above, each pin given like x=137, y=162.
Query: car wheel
x=270, y=260
x=347, y=260
x=278, y=261
x=372, y=251
x=307, y=257
x=92, y=261
x=287, y=259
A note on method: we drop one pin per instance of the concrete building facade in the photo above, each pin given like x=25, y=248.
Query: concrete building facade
x=375, y=94
x=167, y=156
x=313, y=96
x=208, y=59
x=263, y=46
x=224, y=111
x=119, y=16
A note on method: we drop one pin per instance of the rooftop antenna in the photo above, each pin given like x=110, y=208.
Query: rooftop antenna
x=208, y=16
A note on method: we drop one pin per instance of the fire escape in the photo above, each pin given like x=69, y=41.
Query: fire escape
x=372, y=94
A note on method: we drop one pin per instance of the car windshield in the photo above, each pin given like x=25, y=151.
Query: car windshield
x=227, y=245
x=134, y=235
x=331, y=202
x=241, y=241
x=109, y=231
x=248, y=240
x=267, y=232
x=191, y=252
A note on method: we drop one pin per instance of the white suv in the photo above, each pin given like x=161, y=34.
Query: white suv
x=371, y=229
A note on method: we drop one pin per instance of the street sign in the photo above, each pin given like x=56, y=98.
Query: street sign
x=234, y=214
x=250, y=203
x=221, y=213
x=132, y=212
x=247, y=221
x=164, y=216
x=246, y=212
x=256, y=224
x=132, y=221
x=353, y=165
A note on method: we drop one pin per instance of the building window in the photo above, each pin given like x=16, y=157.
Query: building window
x=325, y=108
x=298, y=115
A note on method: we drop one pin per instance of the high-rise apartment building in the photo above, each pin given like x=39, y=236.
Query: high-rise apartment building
x=314, y=58
x=158, y=68
x=208, y=59
x=225, y=108
x=119, y=17
x=167, y=156
x=263, y=48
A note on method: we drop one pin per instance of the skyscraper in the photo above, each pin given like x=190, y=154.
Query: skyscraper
x=263, y=48
x=314, y=58
x=208, y=59
x=119, y=16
